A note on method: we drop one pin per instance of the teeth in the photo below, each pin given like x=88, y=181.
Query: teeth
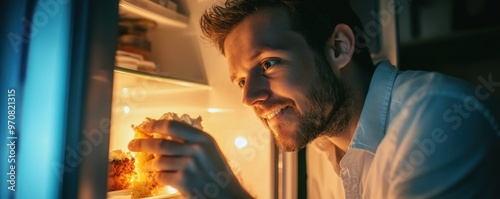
x=270, y=116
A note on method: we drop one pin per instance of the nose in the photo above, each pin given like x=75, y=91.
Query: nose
x=256, y=89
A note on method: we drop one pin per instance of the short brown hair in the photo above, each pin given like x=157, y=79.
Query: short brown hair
x=315, y=20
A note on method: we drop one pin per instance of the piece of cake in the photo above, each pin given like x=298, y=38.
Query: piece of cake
x=121, y=169
x=145, y=184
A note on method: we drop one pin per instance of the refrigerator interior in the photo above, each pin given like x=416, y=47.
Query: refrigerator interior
x=191, y=78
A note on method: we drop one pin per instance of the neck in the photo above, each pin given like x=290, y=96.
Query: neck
x=359, y=81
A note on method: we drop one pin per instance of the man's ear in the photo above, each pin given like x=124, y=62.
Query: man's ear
x=340, y=47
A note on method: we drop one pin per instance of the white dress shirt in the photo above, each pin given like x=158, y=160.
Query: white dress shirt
x=420, y=135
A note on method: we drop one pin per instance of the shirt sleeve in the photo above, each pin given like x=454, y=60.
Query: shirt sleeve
x=448, y=147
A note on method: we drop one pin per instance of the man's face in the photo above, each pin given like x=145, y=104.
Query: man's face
x=294, y=97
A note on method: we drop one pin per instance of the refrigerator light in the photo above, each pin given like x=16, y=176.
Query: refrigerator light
x=126, y=109
x=240, y=142
x=171, y=190
x=214, y=110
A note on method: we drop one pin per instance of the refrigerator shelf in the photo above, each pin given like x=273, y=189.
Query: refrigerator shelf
x=125, y=194
x=161, y=78
x=153, y=11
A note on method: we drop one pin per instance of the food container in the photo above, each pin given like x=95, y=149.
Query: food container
x=135, y=44
x=135, y=26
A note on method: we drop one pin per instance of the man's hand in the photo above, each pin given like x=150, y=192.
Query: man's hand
x=191, y=162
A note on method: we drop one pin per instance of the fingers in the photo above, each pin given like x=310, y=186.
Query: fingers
x=177, y=130
x=173, y=179
x=162, y=147
x=168, y=164
x=176, y=179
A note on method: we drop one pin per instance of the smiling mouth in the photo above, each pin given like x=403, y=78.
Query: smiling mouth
x=273, y=114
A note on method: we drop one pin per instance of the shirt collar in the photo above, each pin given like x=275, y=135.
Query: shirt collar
x=372, y=123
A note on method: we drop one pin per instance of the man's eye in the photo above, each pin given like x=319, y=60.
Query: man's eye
x=269, y=63
x=241, y=83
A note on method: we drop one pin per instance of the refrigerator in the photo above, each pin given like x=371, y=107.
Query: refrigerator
x=74, y=104
x=69, y=99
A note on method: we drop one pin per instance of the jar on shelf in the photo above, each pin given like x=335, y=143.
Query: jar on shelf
x=133, y=36
x=133, y=39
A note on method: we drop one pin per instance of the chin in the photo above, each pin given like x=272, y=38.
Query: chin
x=289, y=147
x=288, y=143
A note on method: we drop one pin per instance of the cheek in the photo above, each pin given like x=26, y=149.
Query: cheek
x=290, y=85
x=295, y=82
x=295, y=88
x=302, y=80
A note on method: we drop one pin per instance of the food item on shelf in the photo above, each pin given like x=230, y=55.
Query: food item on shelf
x=134, y=61
x=120, y=170
x=133, y=40
x=129, y=55
x=146, y=66
x=135, y=26
x=127, y=60
x=169, y=4
x=135, y=44
x=145, y=183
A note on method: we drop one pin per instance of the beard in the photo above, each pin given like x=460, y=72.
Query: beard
x=328, y=111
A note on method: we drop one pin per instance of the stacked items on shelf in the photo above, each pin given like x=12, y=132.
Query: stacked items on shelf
x=167, y=4
x=134, y=48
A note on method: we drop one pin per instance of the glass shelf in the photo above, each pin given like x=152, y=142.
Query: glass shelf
x=153, y=11
x=160, y=78
x=137, y=95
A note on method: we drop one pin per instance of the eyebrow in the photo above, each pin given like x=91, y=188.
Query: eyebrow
x=269, y=46
x=260, y=51
x=232, y=77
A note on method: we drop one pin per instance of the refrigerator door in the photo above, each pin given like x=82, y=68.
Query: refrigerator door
x=58, y=67
x=11, y=61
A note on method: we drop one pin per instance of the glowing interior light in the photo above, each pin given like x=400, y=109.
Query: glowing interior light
x=125, y=90
x=171, y=190
x=126, y=109
x=240, y=142
x=213, y=110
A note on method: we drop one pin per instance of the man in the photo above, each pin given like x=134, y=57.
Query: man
x=386, y=133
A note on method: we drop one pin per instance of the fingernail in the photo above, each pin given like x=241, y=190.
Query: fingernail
x=132, y=145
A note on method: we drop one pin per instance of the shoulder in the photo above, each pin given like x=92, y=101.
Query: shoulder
x=444, y=98
x=417, y=84
x=442, y=132
x=445, y=143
